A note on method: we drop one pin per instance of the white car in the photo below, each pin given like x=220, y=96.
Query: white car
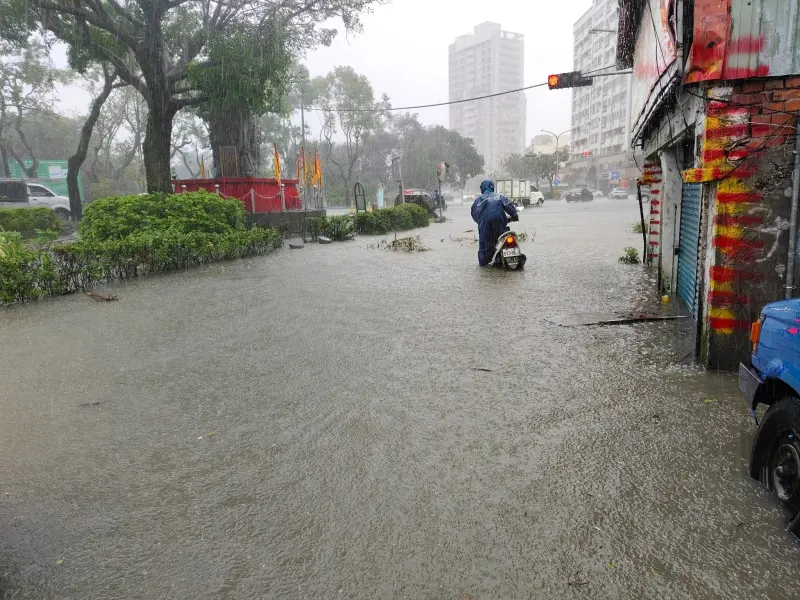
x=619, y=193
x=537, y=198
x=597, y=193
x=17, y=193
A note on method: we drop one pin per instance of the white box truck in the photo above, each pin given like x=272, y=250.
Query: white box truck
x=520, y=191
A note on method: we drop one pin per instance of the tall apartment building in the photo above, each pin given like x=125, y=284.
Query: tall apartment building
x=488, y=61
x=600, y=148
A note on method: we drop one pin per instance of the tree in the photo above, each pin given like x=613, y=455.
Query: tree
x=520, y=166
x=27, y=92
x=75, y=162
x=154, y=45
x=422, y=148
x=245, y=75
x=344, y=94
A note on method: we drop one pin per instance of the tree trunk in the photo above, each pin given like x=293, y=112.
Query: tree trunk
x=157, y=148
x=4, y=171
x=76, y=160
x=238, y=130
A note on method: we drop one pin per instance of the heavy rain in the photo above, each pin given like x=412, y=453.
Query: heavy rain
x=353, y=299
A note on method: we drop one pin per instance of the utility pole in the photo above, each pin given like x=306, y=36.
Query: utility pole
x=557, y=137
x=303, y=146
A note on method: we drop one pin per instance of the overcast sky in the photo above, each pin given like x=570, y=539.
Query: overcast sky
x=403, y=50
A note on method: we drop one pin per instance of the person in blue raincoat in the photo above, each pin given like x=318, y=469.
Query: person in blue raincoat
x=491, y=212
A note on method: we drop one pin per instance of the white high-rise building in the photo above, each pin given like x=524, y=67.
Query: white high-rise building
x=600, y=149
x=488, y=61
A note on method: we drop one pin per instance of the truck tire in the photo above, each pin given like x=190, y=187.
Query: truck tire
x=775, y=457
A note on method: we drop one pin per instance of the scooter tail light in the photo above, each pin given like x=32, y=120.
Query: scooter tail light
x=755, y=334
x=510, y=240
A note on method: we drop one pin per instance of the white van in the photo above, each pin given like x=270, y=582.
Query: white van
x=18, y=193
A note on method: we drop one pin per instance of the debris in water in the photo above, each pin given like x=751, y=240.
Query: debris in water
x=59, y=562
x=101, y=297
x=406, y=244
x=612, y=564
x=469, y=231
x=85, y=404
x=212, y=434
x=608, y=318
x=324, y=240
x=482, y=369
x=709, y=400
x=473, y=240
x=440, y=220
x=296, y=246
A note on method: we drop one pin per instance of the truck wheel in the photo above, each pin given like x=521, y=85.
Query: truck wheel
x=775, y=458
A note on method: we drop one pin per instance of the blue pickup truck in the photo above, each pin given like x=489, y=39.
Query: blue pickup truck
x=773, y=378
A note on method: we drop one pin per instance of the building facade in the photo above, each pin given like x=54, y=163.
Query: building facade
x=544, y=143
x=600, y=154
x=489, y=61
x=715, y=102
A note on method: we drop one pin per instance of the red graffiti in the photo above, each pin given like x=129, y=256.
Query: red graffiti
x=718, y=323
x=728, y=274
x=738, y=197
x=746, y=44
x=738, y=220
x=720, y=299
x=737, y=130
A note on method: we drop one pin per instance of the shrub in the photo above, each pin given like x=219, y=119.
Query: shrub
x=638, y=227
x=193, y=212
x=29, y=274
x=26, y=221
x=24, y=274
x=630, y=256
x=397, y=218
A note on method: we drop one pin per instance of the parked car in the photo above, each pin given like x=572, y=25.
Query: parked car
x=619, y=194
x=424, y=199
x=578, y=195
x=596, y=193
x=772, y=377
x=18, y=193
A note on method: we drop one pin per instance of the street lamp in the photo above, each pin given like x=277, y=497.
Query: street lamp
x=556, y=152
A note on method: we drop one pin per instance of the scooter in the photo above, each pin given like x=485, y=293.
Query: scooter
x=507, y=253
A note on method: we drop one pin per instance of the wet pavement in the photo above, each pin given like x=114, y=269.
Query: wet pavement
x=348, y=422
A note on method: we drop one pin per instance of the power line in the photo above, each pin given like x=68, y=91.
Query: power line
x=376, y=110
x=522, y=89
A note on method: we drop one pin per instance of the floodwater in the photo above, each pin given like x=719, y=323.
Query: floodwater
x=348, y=422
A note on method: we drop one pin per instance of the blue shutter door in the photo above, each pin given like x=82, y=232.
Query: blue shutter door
x=688, y=246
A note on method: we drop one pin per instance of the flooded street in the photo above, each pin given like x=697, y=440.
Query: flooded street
x=347, y=422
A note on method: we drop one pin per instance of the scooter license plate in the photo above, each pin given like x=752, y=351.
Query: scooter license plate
x=508, y=252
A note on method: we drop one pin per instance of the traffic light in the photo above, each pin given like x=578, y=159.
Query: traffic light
x=568, y=80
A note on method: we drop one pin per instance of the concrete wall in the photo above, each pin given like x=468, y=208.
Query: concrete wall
x=293, y=223
x=671, y=190
x=745, y=162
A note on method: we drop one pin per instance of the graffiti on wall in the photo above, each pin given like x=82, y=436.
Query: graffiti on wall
x=738, y=39
x=654, y=53
x=651, y=176
x=732, y=140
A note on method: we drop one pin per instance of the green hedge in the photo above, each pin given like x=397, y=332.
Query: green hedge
x=193, y=212
x=385, y=220
x=130, y=236
x=28, y=274
x=26, y=221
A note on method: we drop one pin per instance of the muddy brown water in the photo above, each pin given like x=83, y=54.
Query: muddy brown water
x=347, y=422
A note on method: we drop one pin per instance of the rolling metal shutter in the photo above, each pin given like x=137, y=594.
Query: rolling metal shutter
x=688, y=246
